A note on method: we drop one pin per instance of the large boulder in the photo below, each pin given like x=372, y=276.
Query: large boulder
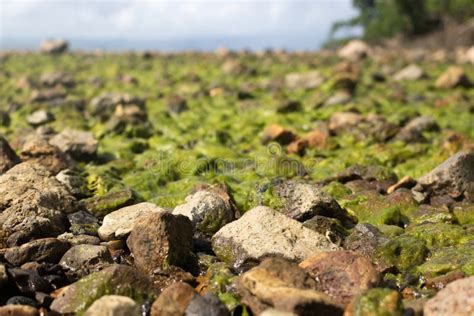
x=33, y=204
x=280, y=284
x=160, y=240
x=263, y=232
x=456, y=299
x=119, y=224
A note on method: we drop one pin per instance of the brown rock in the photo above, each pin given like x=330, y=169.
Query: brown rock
x=160, y=240
x=456, y=299
x=452, y=78
x=341, y=274
x=173, y=301
x=18, y=310
x=276, y=133
x=41, y=250
x=405, y=182
x=8, y=157
x=280, y=284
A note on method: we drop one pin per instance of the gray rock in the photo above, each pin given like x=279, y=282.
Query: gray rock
x=83, y=223
x=355, y=50
x=52, y=79
x=104, y=105
x=454, y=176
x=409, y=73
x=54, y=46
x=82, y=260
x=412, y=132
x=75, y=240
x=304, y=80
x=79, y=144
x=32, y=204
x=8, y=157
x=119, y=224
x=207, y=211
x=206, y=305
x=74, y=182
x=40, y=250
x=263, y=232
x=457, y=298
x=113, y=305
x=40, y=117
x=340, y=97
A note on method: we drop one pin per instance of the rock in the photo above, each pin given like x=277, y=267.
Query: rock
x=3, y=276
x=367, y=173
x=453, y=77
x=82, y=260
x=113, y=280
x=452, y=177
x=340, y=97
x=18, y=310
x=456, y=299
x=28, y=281
x=104, y=204
x=8, y=157
x=376, y=302
x=276, y=133
x=105, y=104
x=80, y=145
x=329, y=227
x=53, y=79
x=355, y=50
x=304, y=80
x=176, y=104
x=280, y=284
x=207, y=211
x=160, y=240
x=83, y=223
x=413, y=131
x=40, y=117
x=32, y=204
x=405, y=182
x=37, y=149
x=180, y=299
x=49, y=95
x=21, y=300
x=113, y=305
x=262, y=232
x=439, y=282
x=409, y=73
x=289, y=106
x=40, y=250
x=119, y=224
x=340, y=121
x=365, y=239
x=341, y=274
x=301, y=201
x=75, y=240
x=74, y=182
x=54, y=46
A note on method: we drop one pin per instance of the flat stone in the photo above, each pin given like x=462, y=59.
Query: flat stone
x=79, y=144
x=262, y=232
x=82, y=260
x=75, y=240
x=341, y=274
x=457, y=298
x=161, y=239
x=119, y=224
x=41, y=250
x=280, y=284
x=113, y=305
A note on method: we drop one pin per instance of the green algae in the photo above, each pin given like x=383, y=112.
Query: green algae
x=440, y=234
x=445, y=260
x=378, y=302
x=403, y=252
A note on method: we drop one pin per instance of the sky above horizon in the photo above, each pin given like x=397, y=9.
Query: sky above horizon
x=142, y=20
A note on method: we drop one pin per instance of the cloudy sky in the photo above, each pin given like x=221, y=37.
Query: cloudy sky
x=142, y=20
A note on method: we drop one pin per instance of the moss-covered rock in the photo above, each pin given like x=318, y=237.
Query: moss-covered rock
x=376, y=302
x=403, y=252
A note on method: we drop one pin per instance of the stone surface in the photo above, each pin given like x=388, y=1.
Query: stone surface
x=74, y=240
x=52, y=79
x=3, y=276
x=341, y=274
x=74, y=182
x=104, y=105
x=207, y=211
x=413, y=131
x=8, y=157
x=409, y=73
x=454, y=176
x=113, y=305
x=82, y=260
x=40, y=250
x=29, y=281
x=79, y=144
x=280, y=284
x=354, y=50
x=114, y=280
x=365, y=240
x=456, y=299
x=160, y=240
x=104, y=204
x=18, y=310
x=453, y=77
x=262, y=232
x=83, y=223
x=119, y=224
x=279, y=134
x=40, y=117
x=32, y=204
x=21, y=300
x=304, y=80
x=54, y=46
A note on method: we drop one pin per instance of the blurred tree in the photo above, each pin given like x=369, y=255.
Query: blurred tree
x=385, y=18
